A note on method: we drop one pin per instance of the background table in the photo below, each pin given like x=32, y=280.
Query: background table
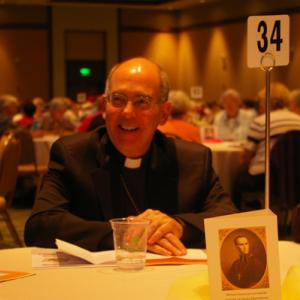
x=42, y=148
x=226, y=159
x=107, y=283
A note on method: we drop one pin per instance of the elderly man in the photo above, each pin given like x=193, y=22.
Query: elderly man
x=232, y=123
x=128, y=168
x=295, y=102
x=251, y=179
x=8, y=109
x=177, y=125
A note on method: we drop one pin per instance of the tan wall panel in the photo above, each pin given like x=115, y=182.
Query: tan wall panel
x=220, y=54
x=81, y=18
x=24, y=65
x=85, y=45
x=159, y=47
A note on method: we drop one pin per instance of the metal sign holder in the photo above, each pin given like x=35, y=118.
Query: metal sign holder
x=267, y=68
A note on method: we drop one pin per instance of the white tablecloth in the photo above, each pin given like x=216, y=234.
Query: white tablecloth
x=108, y=284
x=226, y=158
x=42, y=148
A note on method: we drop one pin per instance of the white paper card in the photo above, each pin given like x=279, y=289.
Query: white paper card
x=268, y=41
x=243, y=260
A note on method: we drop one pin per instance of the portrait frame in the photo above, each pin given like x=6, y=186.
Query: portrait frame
x=229, y=254
x=256, y=227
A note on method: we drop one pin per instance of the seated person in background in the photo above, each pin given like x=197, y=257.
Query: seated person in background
x=39, y=104
x=282, y=120
x=210, y=109
x=176, y=125
x=8, y=109
x=251, y=107
x=95, y=119
x=54, y=120
x=128, y=168
x=27, y=118
x=295, y=102
x=232, y=123
x=72, y=112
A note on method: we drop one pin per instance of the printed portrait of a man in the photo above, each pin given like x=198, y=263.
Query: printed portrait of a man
x=243, y=258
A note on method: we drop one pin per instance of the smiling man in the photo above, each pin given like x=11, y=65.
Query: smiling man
x=128, y=168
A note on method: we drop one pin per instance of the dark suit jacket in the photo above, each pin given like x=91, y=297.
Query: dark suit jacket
x=74, y=203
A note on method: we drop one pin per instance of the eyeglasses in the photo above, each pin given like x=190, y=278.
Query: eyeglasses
x=139, y=102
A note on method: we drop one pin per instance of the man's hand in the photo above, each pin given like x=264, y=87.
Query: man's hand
x=164, y=233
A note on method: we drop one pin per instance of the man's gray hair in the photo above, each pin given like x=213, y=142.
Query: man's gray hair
x=233, y=93
x=164, y=82
x=295, y=97
x=181, y=103
x=58, y=104
x=6, y=100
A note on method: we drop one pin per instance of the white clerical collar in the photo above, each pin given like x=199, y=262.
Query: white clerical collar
x=132, y=163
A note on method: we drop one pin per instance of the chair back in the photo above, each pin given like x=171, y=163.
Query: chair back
x=296, y=224
x=27, y=146
x=285, y=170
x=9, y=160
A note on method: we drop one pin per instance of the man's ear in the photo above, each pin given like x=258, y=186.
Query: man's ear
x=165, y=112
x=104, y=104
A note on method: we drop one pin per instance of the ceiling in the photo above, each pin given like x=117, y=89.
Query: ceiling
x=155, y=4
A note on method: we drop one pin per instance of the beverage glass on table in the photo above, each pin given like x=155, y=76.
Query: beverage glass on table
x=130, y=242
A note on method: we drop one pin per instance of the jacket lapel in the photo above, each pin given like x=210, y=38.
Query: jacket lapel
x=101, y=177
x=102, y=183
x=163, y=176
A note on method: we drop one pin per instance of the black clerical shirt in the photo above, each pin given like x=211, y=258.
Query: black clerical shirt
x=129, y=193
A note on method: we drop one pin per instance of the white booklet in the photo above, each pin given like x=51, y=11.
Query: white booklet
x=95, y=258
x=193, y=256
x=70, y=255
x=243, y=261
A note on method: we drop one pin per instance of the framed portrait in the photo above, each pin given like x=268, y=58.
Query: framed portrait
x=243, y=258
x=243, y=261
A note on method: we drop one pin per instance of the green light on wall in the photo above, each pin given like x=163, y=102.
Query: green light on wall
x=85, y=72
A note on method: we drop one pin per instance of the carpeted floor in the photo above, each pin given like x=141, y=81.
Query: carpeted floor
x=19, y=217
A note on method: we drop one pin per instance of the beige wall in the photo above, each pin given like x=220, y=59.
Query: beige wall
x=24, y=51
x=214, y=57
x=24, y=63
x=81, y=18
x=159, y=47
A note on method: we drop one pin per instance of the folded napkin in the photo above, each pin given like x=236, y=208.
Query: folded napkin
x=291, y=284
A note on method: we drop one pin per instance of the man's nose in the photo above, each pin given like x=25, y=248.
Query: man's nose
x=129, y=108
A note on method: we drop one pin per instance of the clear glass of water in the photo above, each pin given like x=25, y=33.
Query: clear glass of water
x=130, y=242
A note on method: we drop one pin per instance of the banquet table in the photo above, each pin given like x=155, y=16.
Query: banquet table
x=154, y=282
x=226, y=159
x=42, y=148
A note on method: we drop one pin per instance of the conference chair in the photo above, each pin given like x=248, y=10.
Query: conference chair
x=285, y=178
x=296, y=224
x=29, y=172
x=27, y=164
x=9, y=159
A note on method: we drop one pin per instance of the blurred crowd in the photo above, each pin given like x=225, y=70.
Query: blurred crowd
x=60, y=116
x=227, y=119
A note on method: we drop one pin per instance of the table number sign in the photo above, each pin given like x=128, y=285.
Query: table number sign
x=268, y=36
x=242, y=251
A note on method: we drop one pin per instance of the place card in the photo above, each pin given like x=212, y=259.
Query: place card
x=243, y=261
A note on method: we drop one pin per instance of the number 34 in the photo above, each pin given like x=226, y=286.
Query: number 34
x=275, y=38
